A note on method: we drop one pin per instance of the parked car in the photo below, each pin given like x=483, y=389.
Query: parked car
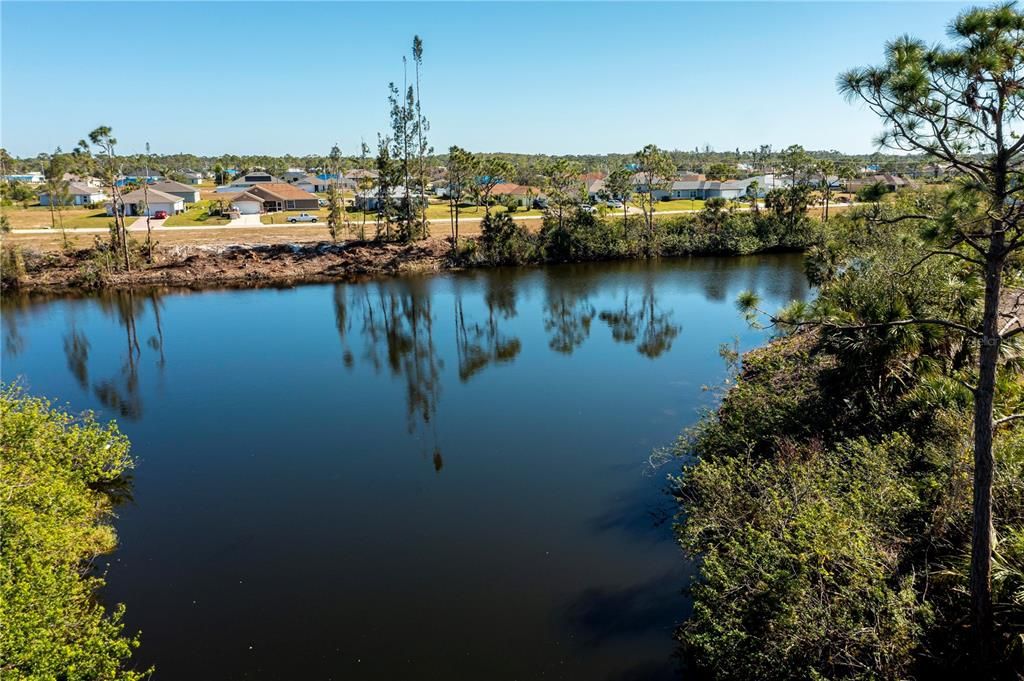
x=587, y=208
x=160, y=215
x=302, y=217
x=322, y=202
x=615, y=203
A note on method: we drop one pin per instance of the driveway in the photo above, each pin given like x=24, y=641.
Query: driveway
x=250, y=220
x=140, y=224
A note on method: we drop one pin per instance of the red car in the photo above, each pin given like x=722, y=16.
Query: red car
x=160, y=214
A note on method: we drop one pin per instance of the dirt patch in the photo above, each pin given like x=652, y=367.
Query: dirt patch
x=236, y=264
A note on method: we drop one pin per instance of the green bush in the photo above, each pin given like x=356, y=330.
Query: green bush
x=54, y=473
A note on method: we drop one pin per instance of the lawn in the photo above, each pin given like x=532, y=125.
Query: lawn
x=39, y=217
x=198, y=214
x=679, y=204
x=281, y=217
x=435, y=211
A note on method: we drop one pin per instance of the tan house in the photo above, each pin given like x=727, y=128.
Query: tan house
x=522, y=194
x=278, y=196
x=247, y=203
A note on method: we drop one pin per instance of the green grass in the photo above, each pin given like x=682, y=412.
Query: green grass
x=198, y=214
x=440, y=211
x=679, y=204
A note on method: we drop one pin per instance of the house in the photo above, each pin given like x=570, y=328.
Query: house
x=87, y=180
x=278, y=196
x=313, y=184
x=766, y=183
x=192, y=177
x=664, y=191
x=140, y=175
x=521, y=194
x=834, y=182
x=293, y=175
x=687, y=189
x=247, y=203
x=79, y=194
x=730, y=190
x=595, y=187
x=371, y=199
x=32, y=177
x=189, y=193
x=250, y=179
x=148, y=202
x=892, y=183
x=362, y=174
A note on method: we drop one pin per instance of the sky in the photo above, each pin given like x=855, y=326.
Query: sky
x=215, y=78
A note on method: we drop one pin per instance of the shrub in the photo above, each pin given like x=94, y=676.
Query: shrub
x=53, y=472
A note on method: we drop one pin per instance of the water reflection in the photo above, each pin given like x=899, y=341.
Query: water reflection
x=646, y=320
x=396, y=323
x=480, y=343
x=531, y=400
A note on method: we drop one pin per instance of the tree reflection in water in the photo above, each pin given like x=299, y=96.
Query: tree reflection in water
x=479, y=344
x=121, y=391
x=645, y=321
x=396, y=322
x=567, y=312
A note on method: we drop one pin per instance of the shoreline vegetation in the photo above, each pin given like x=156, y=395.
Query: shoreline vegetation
x=827, y=500
x=576, y=237
x=61, y=476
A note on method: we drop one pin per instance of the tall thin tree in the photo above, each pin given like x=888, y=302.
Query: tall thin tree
x=962, y=105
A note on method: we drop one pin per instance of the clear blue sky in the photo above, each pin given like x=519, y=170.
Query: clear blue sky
x=274, y=78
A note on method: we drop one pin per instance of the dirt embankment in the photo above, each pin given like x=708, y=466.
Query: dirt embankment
x=240, y=264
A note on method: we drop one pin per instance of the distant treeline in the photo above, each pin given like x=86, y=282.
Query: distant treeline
x=528, y=166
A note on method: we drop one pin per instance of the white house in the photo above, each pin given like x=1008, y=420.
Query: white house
x=187, y=192
x=247, y=204
x=79, y=194
x=293, y=175
x=370, y=199
x=312, y=184
x=140, y=202
x=192, y=177
x=33, y=177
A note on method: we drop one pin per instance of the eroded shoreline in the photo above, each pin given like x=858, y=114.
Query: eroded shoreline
x=238, y=264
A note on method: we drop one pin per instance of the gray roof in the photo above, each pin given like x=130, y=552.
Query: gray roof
x=82, y=189
x=687, y=185
x=78, y=189
x=172, y=186
x=155, y=196
x=683, y=185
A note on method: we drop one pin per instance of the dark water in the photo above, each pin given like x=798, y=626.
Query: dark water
x=435, y=478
